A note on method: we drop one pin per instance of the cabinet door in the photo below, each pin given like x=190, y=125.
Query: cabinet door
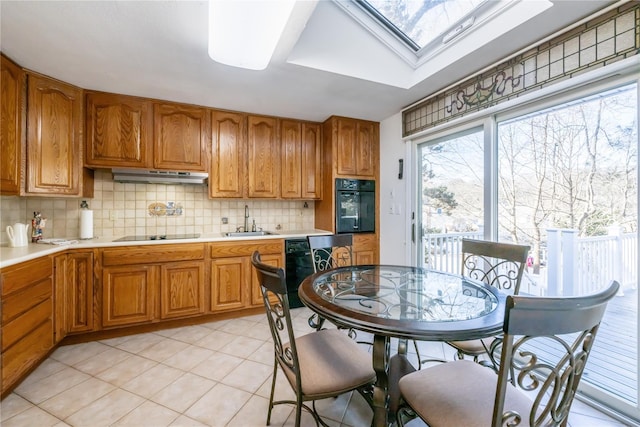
x=264, y=157
x=228, y=282
x=128, y=295
x=365, y=249
x=367, y=141
x=11, y=105
x=79, y=291
x=311, y=161
x=346, y=147
x=356, y=147
x=291, y=159
x=60, y=328
x=54, y=123
x=119, y=130
x=365, y=257
x=181, y=136
x=229, y=153
x=181, y=289
x=256, y=292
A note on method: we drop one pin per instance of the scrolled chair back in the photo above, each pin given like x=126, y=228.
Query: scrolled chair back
x=500, y=265
x=541, y=358
x=276, y=302
x=545, y=348
x=332, y=251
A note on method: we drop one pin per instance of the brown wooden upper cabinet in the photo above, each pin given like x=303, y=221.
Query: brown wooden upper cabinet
x=54, y=131
x=300, y=160
x=181, y=136
x=264, y=157
x=11, y=102
x=119, y=131
x=126, y=131
x=357, y=145
x=282, y=158
x=227, y=173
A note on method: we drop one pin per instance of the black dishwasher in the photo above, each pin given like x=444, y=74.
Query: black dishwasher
x=298, y=266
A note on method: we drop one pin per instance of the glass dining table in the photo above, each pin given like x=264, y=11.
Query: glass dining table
x=403, y=302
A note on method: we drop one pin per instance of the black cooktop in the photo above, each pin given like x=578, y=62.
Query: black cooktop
x=157, y=237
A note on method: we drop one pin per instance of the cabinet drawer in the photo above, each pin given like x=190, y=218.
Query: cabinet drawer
x=18, y=277
x=147, y=254
x=27, y=352
x=246, y=248
x=25, y=323
x=20, y=302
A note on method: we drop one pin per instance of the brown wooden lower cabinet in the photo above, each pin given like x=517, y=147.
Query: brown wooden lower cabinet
x=27, y=317
x=234, y=284
x=60, y=327
x=128, y=295
x=365, y=249
x=86, y=290
x=182, y=289
x=79, y=292
x=256, y=293
x=229, y=277
x=142, y=284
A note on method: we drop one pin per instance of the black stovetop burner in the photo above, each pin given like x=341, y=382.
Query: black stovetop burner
x=157, y=237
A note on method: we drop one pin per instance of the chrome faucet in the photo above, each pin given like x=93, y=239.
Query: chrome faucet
x=246, y=218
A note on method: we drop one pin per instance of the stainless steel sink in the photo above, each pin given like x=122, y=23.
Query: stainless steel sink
x=248, y=233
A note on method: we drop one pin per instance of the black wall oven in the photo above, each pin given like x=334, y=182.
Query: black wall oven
x=355, y=206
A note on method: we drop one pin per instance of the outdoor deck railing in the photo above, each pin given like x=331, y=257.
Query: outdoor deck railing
x=575, y=265
x=579, y=266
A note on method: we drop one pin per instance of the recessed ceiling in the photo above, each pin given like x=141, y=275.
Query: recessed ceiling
x=326, y=63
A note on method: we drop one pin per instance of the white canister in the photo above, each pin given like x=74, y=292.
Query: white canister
x=17, y=235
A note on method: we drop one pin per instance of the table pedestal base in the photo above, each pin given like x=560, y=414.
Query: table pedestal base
x=380, y=396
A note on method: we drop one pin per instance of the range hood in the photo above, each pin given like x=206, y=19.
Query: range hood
x=158, y=177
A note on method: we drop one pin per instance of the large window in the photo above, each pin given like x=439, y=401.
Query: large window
x=563, y=179
x=567, y=186
x=451, y=197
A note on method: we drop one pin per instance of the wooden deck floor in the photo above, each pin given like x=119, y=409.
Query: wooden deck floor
x=613, y=363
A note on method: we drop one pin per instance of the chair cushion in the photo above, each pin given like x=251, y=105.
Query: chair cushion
x=472, y=347
x=330, y=364
x=459, y=393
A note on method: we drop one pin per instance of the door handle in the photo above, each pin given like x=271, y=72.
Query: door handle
x=413, y=227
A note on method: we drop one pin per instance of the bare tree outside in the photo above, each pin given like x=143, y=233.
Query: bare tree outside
x=571, y=167
x=424, y=20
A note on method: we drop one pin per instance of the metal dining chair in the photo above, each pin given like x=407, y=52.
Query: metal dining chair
x=318, y=365
x=541, y=359
x=328, y=252
x=500, y=265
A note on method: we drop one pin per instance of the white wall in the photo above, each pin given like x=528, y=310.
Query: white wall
x=395, y=244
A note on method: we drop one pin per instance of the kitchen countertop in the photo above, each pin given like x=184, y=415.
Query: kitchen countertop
x=10, y=256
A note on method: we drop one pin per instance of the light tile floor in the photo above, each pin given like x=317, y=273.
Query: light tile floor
x=213, y=374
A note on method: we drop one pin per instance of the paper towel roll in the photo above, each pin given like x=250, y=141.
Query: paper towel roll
x=86, y=224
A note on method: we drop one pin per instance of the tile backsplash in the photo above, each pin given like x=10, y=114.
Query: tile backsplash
x=121, y=209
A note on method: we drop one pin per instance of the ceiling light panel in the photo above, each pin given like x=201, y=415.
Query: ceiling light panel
x=245, y=33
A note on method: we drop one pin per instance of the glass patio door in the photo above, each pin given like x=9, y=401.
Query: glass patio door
x=450, y=193
x=563, y=179
x=568, y=187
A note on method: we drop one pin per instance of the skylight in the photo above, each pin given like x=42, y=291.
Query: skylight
x=420, y=22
